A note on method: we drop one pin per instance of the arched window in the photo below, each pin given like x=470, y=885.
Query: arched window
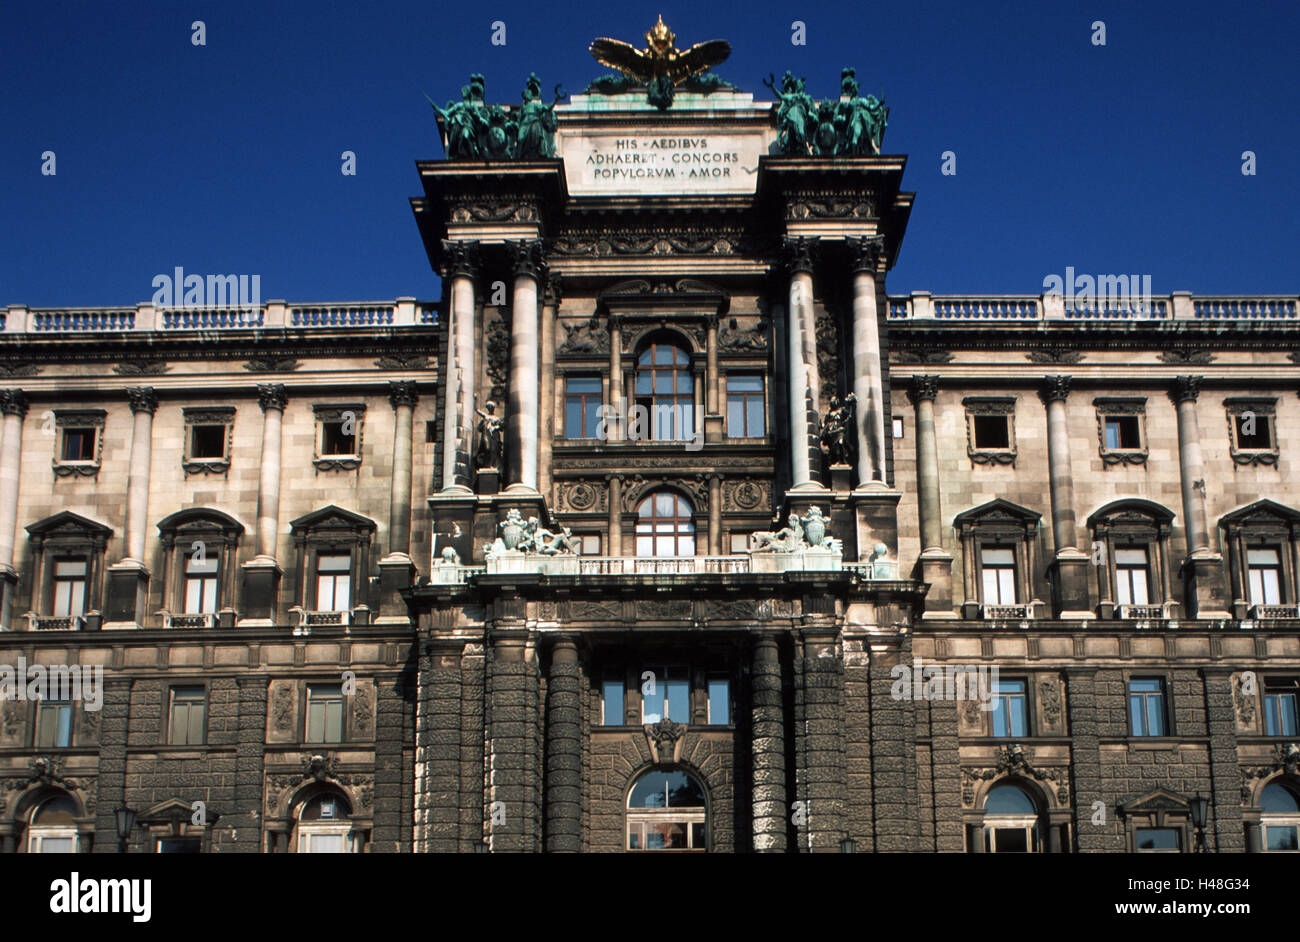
x=324, y=826
x=1133, y=569
x=666, y=810
x=1010, y=822
x=52, y=827
x=199, y=564
x=665, y=388
x=1280, y=818
x=665, y=526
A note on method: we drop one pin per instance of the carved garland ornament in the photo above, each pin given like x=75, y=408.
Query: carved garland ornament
x=1012, y=760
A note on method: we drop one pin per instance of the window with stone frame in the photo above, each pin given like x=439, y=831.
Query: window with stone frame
x=52, y=826
x=1262, y=539
x=209, y=438
x=54, y=722
x=324, y=826
x=1157, y=822
x=200, y=567
x=991, y=429
x=1279, y=818
x=999, y=552
x=582, y=405
x=79, y=442
x=1281, y=696
x=67, y=573
x=667, y=810
x=187, y=715
x=1011, y=822
x=333, y=566
x=1252, y=429
x=693, y=694
x=338, y=436
x=1130, y=553
x=1149, y=712
x=1121, y=430
x=664, y=384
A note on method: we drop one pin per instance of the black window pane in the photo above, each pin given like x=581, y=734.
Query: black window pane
x=1159, y=839
x=208, y=441
x=991, y=432
x=78, y=444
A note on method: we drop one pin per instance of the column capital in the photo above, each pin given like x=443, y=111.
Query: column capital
x=272, y=396
x=13, y=402
x=868, y=253
x=143, y=399
x=461, y=258
x=527, y=257
x=799, y=253
x=1054, y=388
x=923, y=387
x=1186, y=388
x=401, y=393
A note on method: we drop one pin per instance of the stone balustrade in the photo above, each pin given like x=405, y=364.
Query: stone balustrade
x=922, y=306
x=402, y=312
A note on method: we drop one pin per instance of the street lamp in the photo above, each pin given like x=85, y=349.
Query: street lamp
x=848, y=846
x=125, y=819
x=1199, y=806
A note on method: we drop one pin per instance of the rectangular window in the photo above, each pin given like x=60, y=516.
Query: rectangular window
x=1010, y=709
x=719, y=701
x=666, y=694
x=582, y=407
x=200, y=585
x=323, y=843
x=78, y=444
x=1146, y=705
x=998, y=566
x=53, y=844
x=333, y=582
x=612, y=711
x=1132, y=576
x=185, y=720
x=69, y=586
x=1123, y=433
x=1253, y=431
x=324, y=713
x=745, y=418
x=991, y=432
x=1155, y=840
x=1281, y=837
x=207, y=441
x=54, y=724
x=1280, y=706
x=588, y=544
x=1264, y=575
x=334, y=441
x=898, y=427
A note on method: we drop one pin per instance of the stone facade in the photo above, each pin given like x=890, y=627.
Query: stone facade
x=379, y=668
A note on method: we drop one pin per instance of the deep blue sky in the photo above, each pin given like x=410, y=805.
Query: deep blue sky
x=225, y=158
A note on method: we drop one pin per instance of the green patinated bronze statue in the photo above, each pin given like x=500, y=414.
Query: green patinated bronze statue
x=475, y=130
x=851, y=127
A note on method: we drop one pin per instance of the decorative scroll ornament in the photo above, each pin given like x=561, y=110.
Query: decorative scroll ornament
x=664, y=739
x=272, y=365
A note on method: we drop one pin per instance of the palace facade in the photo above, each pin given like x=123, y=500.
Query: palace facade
x=299, y=539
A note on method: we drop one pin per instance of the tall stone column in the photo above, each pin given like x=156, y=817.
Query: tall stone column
x=13, y=407
x=128, y=580
x=804, y=376
x=715, y=515
x=615, y=547
x=262, y=573
x=397, y=570
x=546, y=424
x=620, y=409
x=1207, y=597
x=713, y=418
x=868, y=385
x=458, y=411
x=769, y=793
x=564, y=749
x=935, y=562
x=521, y=423
x=1070, y=585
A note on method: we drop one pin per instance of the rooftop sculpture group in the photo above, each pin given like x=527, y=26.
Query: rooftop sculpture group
x=852, y=126
x=475, y=130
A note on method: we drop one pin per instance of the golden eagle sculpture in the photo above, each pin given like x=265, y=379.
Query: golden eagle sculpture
x=661, y=65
